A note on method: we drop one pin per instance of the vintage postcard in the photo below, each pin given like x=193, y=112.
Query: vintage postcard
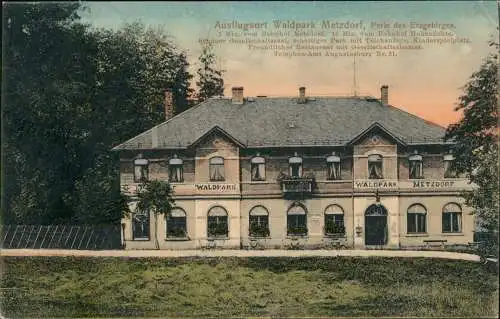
x=250, y=159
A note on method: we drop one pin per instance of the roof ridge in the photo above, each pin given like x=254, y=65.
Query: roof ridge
x=416, y=116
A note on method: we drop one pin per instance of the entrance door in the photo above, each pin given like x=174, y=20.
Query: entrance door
x=376, y=225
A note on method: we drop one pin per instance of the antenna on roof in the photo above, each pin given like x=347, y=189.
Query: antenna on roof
x=354, y=77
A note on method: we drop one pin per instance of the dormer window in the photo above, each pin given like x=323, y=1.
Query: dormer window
x=333, y=167
x=140, y=169
x=295, y=166
x=216, y=169
x=375, y=167
x=258, y=168
x=416, y=166
x=449, y=169
x=175, y=169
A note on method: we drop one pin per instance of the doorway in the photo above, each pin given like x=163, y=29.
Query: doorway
x=376, y=225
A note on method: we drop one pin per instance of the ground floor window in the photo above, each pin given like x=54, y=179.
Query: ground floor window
x=452, y=218
x=217, y=222
x=416, y=219
x=296, y=221
x=334, y=221
x=176, y=223
x=259, y=222
x=140, y=225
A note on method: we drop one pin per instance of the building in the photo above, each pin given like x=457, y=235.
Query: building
x=306, y=172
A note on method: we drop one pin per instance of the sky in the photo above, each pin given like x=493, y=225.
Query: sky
x=425, y=82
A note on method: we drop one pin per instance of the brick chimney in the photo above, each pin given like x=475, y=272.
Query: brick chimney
x=169, y=104
x=237, y=95
x=302, y=95
x=384, y=94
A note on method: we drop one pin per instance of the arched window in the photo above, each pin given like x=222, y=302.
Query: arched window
x=416, y=219
x=140, y=169
x=176, y=223
x=217, y=222
x=175, y=169
x=452, y=218
x=258, y=168
x=334, y=220
x=140, y=225
x=333, y=167
x=295, y=166
x=416, y=166
x=216, y=169
x=375, y=168
x=449, y=166
x=259, y=222
x=296, y=221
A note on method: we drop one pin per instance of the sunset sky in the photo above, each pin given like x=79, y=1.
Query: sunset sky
x=425, y=82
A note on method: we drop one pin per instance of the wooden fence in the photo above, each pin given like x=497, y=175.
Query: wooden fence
x=86, y=237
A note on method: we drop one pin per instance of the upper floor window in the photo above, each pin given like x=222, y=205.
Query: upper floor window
x=416, y=219
x=295, y=166
x=296, y=221
x=375, y=167
x=333, y=167
x=175, y=169
x=140, y=170
x=258, y=168
x=140, y=225
x=334, y=220
x=452, y=218
x=217, y=222
x=216, y=170
x=259, y=222
x=449, y=166
x=416, y=166
x=176, y=223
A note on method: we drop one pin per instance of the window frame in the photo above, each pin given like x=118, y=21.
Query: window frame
x=330, y=213
x=295, y=161
x=173, y=164
x=256, y=163
x=300, y=221
x=217, y=217
x=378, y=161
x=418, y=159
x=262, y=218
x=333, y=161
x=448, y=166
x=452, y=214
x=143, y=165
x=167, y=222
x=212, y=166
x=147, y=216
x=417, y=218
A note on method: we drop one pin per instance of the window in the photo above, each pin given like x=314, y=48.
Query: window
x=176, y=223
x=140, y=225
x=296, y=221
x=333, y=167
x=258, y=168
x=216, y=169
x=295, y=165
x=217, y=222
x=140, y=170
x=375, y=167
x=416, y=219
x=175, y=170
x=334, y=220
x=452, y=218
x=449, y=169
x=259, y=222
x=416, y=166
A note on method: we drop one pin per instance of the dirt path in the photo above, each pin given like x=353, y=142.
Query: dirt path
x=236, y=253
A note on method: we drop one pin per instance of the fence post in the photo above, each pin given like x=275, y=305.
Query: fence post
x=77, y=230
x=15, y=231
x=5, y=236
x=22, y=235
x=70, y=231
x=83, y=236
x=60, y=236
x=36, y=238
x=53, y=234
x=41, y=245
x=90, y=237
x=28, y=240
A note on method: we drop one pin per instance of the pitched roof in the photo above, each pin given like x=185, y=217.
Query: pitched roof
x=280, y=122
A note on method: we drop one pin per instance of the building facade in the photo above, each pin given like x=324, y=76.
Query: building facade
x=298, y=172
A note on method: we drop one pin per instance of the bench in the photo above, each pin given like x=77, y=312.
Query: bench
x=432, y=242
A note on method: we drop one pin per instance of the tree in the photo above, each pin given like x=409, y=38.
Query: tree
x=155, y=196
x=475, y=147
x=210, y=82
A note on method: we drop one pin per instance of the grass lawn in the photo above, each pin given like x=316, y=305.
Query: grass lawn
x=222, y=287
